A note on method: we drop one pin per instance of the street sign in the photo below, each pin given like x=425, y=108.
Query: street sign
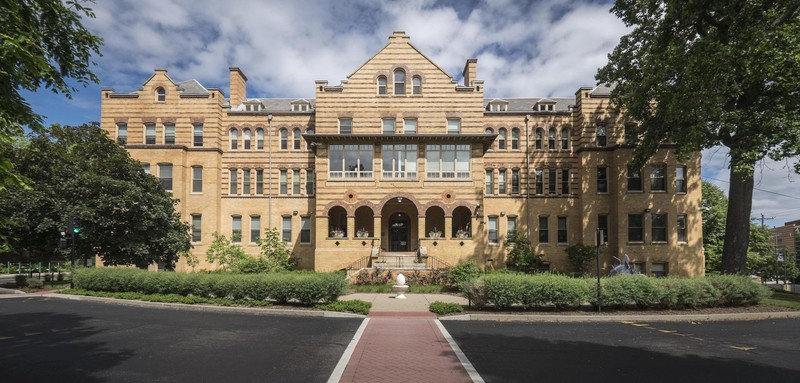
x=780, y=257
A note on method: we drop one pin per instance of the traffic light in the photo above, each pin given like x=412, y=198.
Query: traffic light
x=72, y=226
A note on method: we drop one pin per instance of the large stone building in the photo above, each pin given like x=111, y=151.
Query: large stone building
x=400, y=158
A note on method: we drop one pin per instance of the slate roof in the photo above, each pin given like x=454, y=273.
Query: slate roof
x=526, y=104
x=191, y=87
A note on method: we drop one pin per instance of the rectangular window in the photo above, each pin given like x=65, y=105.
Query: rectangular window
x=515, y=181
x=512, y=224
x=169, y=134
x=234, y=181
x=197, y=179
x=197, y=137
x=287, y=229
x=658, y=174
x=602, y=224
x=259, y=181
x=388, y=126
x=296, y=181
x=630, y=135
x=565, y=181
x=492, y=229
x=453, y=126
x=350, y=161
x=602, y=180
x=447, y=161
x=165, y=174
x=283, y=186
x=658, y=225
x=635, y=228
x=146, y=168
x=489, y=183
x=150, y=134
x=305, y=229
x=680, y=179
x=501, y=181
x=551, y=181
x=259, y=139
x=634, y=179
x=658, y=269
x=197, y=233
x=544, y=233
x=399, y=161
x=539, y=182
x=236, y=228
x=310, y=180
x=345, y=126
x=680, y=224
x=122, y=134
x=410, y=126
x=602, y=139
x=255, y=228
x=246, y=181
x=562, y=230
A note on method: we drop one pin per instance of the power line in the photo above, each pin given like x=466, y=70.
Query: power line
x=755, y=188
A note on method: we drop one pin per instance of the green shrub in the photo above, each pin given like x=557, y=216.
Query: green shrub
x=521, y=256
x=353, y=306
x=627, y=290
x=462, y=272
x=581, y=257
x=35, y=283
x=21, y=280
x=739, y=290
x=475, y=291
x=444, y=308
x=557, y=290
x=503, y=290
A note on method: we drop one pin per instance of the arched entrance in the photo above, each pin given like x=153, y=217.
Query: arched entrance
x=399, y=232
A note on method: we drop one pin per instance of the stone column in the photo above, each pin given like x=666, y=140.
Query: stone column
x=421, y=227
x=448, y=227
x=376, y=226
x=351, y=226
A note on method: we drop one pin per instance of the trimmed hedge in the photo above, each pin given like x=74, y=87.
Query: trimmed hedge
x=503, y=290
x=444, y=308
x=354, y=306
x=304, y=287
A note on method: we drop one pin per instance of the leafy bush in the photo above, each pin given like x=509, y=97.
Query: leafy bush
x=35, y=283
x=307, y=288
x=626, y=290
x=462, y=272
x=354, y=306
x=581, y=256
x=503, y=290
x=444, y=308
x=373, y=277
x=474, y=290
x=739, y=290
x=521, y=257
x=427, y=277
x=21, y=280
x=169, y=298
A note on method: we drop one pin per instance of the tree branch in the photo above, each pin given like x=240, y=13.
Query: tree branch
x=790, y=13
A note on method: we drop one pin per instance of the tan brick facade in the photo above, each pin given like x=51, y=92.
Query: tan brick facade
x=422, y=153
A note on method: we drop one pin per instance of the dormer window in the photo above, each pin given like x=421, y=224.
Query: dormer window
x=161, y=94
x=301, y=106
x=549, y=107
x=497, y=107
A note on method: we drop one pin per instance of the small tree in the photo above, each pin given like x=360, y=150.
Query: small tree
x=521, y=257
x=581, y=256
x=191, y=259
x=223, y=251
x=275, y=252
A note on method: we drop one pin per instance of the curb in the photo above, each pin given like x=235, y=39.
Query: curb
x=620, y=318
x=209, y=308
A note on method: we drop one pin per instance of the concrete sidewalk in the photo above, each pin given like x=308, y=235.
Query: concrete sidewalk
x=385, y=304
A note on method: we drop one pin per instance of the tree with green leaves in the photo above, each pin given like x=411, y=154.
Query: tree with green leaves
x=714, y=207
x=125, y=216
x=223, y=251
x=706, y=73
x=43, y=45
x=521, y=256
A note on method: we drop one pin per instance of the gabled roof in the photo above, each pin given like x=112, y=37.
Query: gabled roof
x=300, y=101
x=396, y=35
x=191, y=87
x=603, y=90
x=545, y=100
x=497, y=100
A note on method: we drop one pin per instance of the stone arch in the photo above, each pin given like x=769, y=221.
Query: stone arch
x=368, y=204
x=413, y=200
x=347, y=207
x=459, y=203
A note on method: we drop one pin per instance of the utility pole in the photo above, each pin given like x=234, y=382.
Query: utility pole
x=765, y=219
x=269, y=142
x=527, y=178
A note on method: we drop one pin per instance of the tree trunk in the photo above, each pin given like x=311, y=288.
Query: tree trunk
x=737, y=225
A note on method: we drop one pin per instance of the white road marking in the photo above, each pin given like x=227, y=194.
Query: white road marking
x=348, y=352
x=476, y=378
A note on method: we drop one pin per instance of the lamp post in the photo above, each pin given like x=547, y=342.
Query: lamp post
x=527, y=178
x=599, y=243
x=269, y=142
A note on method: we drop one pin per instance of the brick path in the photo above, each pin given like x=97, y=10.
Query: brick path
x=403, y=350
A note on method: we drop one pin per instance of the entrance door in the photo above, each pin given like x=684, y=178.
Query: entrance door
x=398, y=232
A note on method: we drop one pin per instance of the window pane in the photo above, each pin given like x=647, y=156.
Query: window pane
x=515, y=181
x=287, y=229
x=305, y=229
x=453, y=126
x=345, y=126
x=602, y=180
x=197, y=228
x=165, y=174
x=635, y=227
x=234, y=182
x=150, y=134
x=234, y=136
x=399, y=82
x=492, y=229
x=255, y=228
x=409, y=126
x=562, y=230
x=246, y=181
x=501, y=182
x=310, y=180
x=634, y=179
x=602, y=224
x=236, y=229
x=283, y=187
x=388, y=126
x=551, y=181
x=681, y=227
x=544, y=235
x=197, y=139
x=122, y=134
x=296, y=139
x=259, y=139
x=565, y=181
x=259, y=181
x=512, y=224
x=659, y=227
x=197, y=179
x=296, y=182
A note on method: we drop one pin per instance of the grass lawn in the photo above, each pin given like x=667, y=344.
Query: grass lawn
x=784, y=299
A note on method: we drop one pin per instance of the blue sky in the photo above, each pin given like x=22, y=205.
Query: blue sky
x=524, y=49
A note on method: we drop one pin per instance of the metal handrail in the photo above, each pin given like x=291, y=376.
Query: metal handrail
x=361, y=263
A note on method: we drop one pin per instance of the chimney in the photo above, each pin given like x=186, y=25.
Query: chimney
x=470, y=71
x=238, y=86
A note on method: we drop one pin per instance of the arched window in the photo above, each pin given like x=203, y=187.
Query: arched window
x=416, y=85
x=381, y=84
x=538, y=139
x=565, y=138
x=551, y=139
x=399, y=81
x=259, y=139
x=461, y=222
x=284, y=139
x=234, y=136
x=337, y=222
x=296, y=139
x=501, y=143
x=246, y=139
x=161, y=94
x=488, y=131
x=515, y=139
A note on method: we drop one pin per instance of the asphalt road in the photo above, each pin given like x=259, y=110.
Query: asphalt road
x=50, y=339
x=753, y=351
